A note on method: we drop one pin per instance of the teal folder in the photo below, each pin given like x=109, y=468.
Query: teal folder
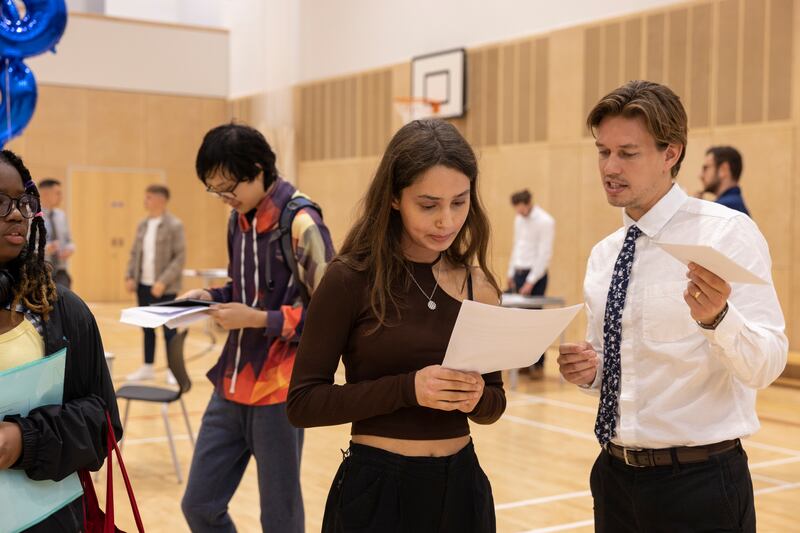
x=23, y=501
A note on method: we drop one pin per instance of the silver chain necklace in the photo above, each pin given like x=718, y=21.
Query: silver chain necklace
x=431, y=303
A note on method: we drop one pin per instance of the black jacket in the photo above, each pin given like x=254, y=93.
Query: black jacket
x=58, y=440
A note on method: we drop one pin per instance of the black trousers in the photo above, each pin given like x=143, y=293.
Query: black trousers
x=379, y=491
x=538, y=290
x=713, y=496
x=145, y=297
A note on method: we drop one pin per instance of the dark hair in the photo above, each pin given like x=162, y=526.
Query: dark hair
x=48, y=182
x=373, y=243
x=158, y=189
x=238, y=151
x=730, y=155
x=521, y=197
x=661, y=109
x=34, y=286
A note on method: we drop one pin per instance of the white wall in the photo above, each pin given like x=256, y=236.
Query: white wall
x=263, y=35
x=117, y=54
x=345, y=36
x=194, y=12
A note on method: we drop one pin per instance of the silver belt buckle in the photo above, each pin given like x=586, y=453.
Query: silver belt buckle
x=627, y=461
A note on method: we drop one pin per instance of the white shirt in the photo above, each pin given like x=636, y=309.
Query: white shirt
x=682, y=385
x=533, y=244
x=149, y=252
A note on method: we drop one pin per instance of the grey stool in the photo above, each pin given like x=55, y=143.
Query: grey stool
x=164, y=395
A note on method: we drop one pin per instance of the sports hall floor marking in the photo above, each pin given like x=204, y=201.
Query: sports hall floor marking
x=544, y=499
x=562, y=527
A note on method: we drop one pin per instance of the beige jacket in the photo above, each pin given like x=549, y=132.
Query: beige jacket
x=170, y=253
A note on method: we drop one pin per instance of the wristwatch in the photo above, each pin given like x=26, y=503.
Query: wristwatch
x=716, y=321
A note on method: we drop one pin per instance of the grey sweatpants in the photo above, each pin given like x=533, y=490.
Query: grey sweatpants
x=230, y=433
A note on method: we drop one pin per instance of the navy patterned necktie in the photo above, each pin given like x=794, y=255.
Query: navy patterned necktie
x=605, y=426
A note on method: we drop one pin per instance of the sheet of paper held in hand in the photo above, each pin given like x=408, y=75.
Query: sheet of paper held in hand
x=155, y=316
x=487, y=338
x=713, y=260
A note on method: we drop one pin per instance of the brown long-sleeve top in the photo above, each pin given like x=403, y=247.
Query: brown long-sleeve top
x=379, y=396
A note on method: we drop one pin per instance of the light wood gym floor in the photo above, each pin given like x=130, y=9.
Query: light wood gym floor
x=538, y=455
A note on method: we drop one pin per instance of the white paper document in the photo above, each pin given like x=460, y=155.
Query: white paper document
x=155, y=316
x=487, y=338
x=713, y=260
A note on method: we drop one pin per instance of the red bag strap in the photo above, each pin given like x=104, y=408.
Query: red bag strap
x=112, y=445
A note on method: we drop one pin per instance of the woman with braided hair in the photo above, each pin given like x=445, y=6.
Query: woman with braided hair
x=37, y=319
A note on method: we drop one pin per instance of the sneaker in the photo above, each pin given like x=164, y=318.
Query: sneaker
x=171, y=378
x=144, y=373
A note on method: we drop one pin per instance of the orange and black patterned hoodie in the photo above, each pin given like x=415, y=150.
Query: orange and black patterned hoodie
x=256, y=364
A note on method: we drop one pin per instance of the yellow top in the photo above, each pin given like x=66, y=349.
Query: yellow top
x=20, y=345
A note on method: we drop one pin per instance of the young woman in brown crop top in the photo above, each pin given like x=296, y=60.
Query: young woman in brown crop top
x=387, y=306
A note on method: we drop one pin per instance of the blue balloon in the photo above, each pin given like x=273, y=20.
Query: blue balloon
x=35, y=33
x=20, y=37
x=18, y=86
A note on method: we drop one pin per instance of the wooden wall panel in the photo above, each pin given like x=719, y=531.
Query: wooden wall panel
x=632, y=67
x=319, y=122
x=611, y=72
x=527, y=70
x=59, y=127
x=727, y=62
x=507, y=81
x=780, y=60
x=475, y=97
x=591, y=69
x=656, y=45
x=677, y=51
x=385, y=112
x=121, y=118
x=492, y=108
x=700, y=67
x=541, y=91
x=752, y=103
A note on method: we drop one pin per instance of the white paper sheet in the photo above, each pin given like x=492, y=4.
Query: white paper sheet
x=155, y=316
x=713, y=260
x=487, y=338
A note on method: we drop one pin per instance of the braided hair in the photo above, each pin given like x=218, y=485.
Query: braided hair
x=34, y=286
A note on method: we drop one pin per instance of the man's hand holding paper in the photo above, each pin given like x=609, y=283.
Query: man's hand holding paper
x=578, y=362
x=706, y=294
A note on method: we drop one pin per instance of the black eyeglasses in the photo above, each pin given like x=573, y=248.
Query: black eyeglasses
x=27, y=204
x=229, y=194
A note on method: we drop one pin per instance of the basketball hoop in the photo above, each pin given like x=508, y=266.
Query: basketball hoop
x=410, y=108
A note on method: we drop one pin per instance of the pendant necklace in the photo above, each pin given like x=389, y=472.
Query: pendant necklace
x=431, y=303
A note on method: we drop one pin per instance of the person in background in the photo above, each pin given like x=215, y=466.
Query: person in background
x=59, y=246
x=534, y=234
x=155, y=268
x=722, y=169
x=263, y=309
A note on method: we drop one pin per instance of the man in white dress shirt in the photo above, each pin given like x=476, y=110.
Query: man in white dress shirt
x=675, y=353
x=534, y=231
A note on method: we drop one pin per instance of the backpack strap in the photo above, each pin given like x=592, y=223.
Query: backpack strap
x=288, y=213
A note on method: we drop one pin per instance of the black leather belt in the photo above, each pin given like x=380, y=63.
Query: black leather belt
x=664, y=457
